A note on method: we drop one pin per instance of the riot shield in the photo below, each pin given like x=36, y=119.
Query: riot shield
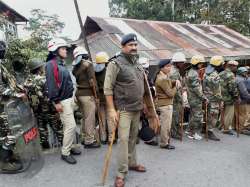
x=23, y=134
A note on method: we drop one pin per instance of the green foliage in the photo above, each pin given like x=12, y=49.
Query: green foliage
x=233, y=13
x=44, y=26
x=23, y=51
x=141, y=9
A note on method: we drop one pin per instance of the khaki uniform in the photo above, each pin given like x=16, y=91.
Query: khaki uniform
x=165, y=94
x=84, y=73
x=125, y=82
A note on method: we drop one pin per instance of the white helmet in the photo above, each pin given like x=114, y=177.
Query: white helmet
x=79, y=51
x=55, y=43
x=179, y=57
x=144, y=62
x=2, y=36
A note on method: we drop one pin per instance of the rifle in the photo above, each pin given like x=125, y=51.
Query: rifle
x=154, y=122
x=182, y=112
x=222, y=116
x=182, y=116
x=206, y=126
x=237, y=121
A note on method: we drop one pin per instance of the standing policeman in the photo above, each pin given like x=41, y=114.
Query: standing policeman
x=84, y=73
x=195, y=96
x=212, y=90
x=124, y=90
x=101, y=60
x=178, y=61
x=230, y=94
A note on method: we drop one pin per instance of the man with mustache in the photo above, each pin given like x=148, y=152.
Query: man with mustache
x=124, y=90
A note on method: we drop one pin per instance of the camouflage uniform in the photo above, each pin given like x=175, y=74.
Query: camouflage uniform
x=177, y=105
x=195, y=98
x=212, y=90
x=44, y=110
x=8, y=89
x=229, y=94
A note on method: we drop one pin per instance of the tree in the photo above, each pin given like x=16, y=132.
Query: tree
x=233, y=13
x=42, y=28
x=141, y=9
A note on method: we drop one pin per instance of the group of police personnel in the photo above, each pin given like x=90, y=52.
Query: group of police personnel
x=206, y=95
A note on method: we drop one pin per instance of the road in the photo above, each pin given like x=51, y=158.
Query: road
x=192, y=164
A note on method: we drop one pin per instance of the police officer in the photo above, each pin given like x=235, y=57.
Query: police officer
x=230, y=94
x=84, y=73
x=178, y=61
x=8, y=89
x=101, y=60
x=124, y=90
x=43, y=109
x=195, y=96
x=60, y=92
x=212, y=90
x=241, y=77
x=166, y=90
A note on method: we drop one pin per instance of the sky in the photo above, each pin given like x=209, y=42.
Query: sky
x=65, y=9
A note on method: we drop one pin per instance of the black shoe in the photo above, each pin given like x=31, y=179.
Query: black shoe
x=153, y=143
x=168, y=146
x=92, y=146
x=104, y=142
x=45, y=145
x=75, y=151
x=211, y=136
x=229, y=132
x=11, y=167
x=69, y=159
x=245, y=132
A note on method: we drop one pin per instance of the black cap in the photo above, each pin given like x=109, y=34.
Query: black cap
x=128, y=38
x=164, y=62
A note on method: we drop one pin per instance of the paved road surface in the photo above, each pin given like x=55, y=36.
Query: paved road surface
x=192, y=164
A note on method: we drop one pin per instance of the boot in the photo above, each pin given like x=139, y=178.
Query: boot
x=8, y=165
x=211, y=136
x=45, y=145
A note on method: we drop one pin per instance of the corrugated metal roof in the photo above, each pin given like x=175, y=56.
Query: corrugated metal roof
x=17, y=17
x=159, y=39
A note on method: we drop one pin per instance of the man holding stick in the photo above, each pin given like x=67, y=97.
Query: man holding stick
x=124, y=90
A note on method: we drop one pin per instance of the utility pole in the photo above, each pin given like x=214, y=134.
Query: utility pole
x=173, y=9
x=83, y=32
